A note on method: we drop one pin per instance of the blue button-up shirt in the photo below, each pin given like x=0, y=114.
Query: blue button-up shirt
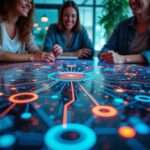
x=122, y=37
x=79, y=40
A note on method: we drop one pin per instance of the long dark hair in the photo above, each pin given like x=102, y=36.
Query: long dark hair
x=24, y=24
x=67, y=4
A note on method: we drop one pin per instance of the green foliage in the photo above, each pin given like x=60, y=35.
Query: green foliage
x=112, y=13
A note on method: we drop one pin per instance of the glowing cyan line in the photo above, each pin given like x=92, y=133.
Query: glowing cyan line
x=89, y=95
x=67, y=106
x=6, y=111
x=45, y=88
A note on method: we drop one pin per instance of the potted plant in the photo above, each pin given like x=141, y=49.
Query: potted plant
x=113, y=12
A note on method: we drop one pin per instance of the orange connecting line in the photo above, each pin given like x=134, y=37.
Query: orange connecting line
x=67, y=105
x=7, y=110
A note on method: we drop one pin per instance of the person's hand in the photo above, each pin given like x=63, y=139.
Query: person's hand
x=48, y=57
x=112, y=57
x=84, y=52
x=42, y=56
x=57, y=50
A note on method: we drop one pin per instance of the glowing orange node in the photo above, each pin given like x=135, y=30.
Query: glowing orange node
x=120, y=90
x=104, y=111
x=1, y=94
x=71, y=76
x=127, y=132
x=23, y=98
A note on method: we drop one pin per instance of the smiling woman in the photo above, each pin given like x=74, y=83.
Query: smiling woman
x=68, y=34
x=16, y=43
x=130, y=41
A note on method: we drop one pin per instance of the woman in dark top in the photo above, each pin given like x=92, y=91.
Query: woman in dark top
x=68, y=34
x=130, y=41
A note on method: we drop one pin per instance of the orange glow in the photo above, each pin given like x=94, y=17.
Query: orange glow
x=104, y=111
x=67, y=106
x=127, y=132
x=120, y=90
x=5, y=112
x=71, y=76
x=1, y=94
x=23, y=98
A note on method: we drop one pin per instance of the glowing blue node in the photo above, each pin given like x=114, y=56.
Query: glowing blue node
x=142, y=128
x=26, y=115
x=7, y=141
x=73, y=137
x=55, y=97
x=118, y=100
x=143, y=98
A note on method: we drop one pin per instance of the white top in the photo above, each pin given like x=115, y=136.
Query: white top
x=8, y=44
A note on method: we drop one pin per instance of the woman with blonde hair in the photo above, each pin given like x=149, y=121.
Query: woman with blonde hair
x=16, y=42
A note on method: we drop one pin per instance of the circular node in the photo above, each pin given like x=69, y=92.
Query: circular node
x=26, y=115
x=23, y=98
x=70, y=76
x=1, y=94
x=143, y=98
x=6, y=141
x=104, y=111
x=73, y=137
x=126, y=132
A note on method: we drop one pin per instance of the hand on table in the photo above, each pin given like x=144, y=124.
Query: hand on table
x=113, y=57
x=42, y=56
x=57, y=50
x=84, y=52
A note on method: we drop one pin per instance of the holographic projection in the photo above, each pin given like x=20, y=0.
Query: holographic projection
x=74, y=105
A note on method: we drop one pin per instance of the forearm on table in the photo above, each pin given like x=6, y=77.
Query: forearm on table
x=137, y=58
x=69, y=54
x=8, y=56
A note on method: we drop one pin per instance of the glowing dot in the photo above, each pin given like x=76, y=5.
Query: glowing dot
x=7, y=141
x=36, y=25
x=120, y=90
x=13, y=88
x=118, y=100
x=1, y=94
x=126, y=132
x=55, y=97
x=44, y=19
x=26, y=115
x=142, y=128
x=104, y=111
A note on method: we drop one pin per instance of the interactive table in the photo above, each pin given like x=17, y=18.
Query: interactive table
x=74, y=105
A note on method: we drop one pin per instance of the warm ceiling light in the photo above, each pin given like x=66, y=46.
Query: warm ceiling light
x=44, y=19
x=36, y=25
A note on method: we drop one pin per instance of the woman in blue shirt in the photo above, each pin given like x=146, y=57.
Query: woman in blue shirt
x=130, y=41
x=68, y=34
